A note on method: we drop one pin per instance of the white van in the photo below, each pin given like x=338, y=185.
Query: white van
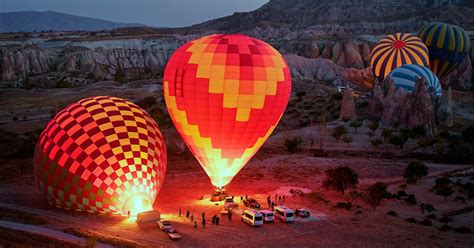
x=152, y=215
x=252, y=217
x=284, y=214
x=267, y=215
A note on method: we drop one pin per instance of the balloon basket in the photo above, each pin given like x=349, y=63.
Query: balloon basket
x=219, y=194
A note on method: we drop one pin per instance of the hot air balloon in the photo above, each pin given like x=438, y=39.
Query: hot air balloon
x=405, y=77
x=396, y=50
x=448, y=46
x=225, y=95
x=101, y=154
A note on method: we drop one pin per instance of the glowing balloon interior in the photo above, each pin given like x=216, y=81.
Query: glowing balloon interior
x=101, y=154
x=396, y=50
x=225, y=95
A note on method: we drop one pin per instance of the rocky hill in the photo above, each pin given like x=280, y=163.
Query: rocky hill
x=30, y=21
x=309, y=18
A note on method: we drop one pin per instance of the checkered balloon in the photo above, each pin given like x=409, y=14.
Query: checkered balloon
x=97, y=153
x=226, y=94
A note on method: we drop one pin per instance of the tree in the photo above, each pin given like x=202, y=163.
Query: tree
x=386, y=134
x=376, y=193
x=293, y=145
x=375, y=142
x=338, y=132
x=355, y=124
x=347, y=139
x=414, y=171
x=340, y=179
x=373, y=125
x=443, y=187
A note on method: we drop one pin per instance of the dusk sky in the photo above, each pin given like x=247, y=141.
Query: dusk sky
x=169, y=13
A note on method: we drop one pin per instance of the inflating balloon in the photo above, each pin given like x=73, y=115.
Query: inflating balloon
x=448, y=46
x=396, y=50
x=405, y=77
x=225, y=95
x=101, y=154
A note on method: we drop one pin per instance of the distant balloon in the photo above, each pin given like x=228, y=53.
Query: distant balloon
x=448, y=45
x=225, y=95
x=405, y=77
x=396, y=50
x=101, y=154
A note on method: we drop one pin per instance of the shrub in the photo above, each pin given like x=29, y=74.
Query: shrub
x=431, y=216
x=386, y=134
x=376, y=193
x=373, y=125
x=459, y=151
x=462, y=229
x=376, y=142
x=355, y=124
x=418, y=131
x=293, y=145
x=397, y=140
x=445, y=219
x=392, y=213
x=340, y=179
x=347, y=139
x=414, y=171
x=410, y=199
x=402, y=193
x=410, y=220
x=445, y=228
x=344, y=205
x=426, y=222
x=429, y=207
x=467, y=134
x=338, y=132
x=443, y=187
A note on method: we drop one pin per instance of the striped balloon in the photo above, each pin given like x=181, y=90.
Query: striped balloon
x=448, y=45
x=396, y=50
x=405, y=77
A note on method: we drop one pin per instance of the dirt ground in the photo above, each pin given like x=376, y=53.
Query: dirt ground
x=266, y=174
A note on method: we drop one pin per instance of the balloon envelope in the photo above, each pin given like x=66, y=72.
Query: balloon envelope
x=225, y=95
x=396, y=50
x=98, y=154
x=448, y=46
x=405, y=77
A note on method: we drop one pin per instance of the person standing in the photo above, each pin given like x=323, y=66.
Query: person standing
x=213, y=221
x=203, y=223
x=192, y=217
x=217, y=220
x=229, y=215
x=203, y=215
x=195, y=224
x=179, y=213
x=273, y=205
x=269, y=201
x=187, y=214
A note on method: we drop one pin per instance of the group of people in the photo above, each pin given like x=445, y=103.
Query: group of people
x=279, y=200
x=215, y=218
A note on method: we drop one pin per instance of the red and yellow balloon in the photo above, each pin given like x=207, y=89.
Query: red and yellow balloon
x=225, y=95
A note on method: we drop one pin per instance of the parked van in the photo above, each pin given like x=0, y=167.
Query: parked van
x=229, y=202
x=284, y=214
x=267, y=215
x=152, y=215
x=252, y=217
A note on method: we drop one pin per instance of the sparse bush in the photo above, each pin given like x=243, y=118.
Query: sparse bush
x=373, y=125
x=402, y=193
x=376, y=142
x=340, y=179
x=338, y=132
x=376, y=193
x=431, y=216
x=347, y=139
x=386, y=134
x=355, y=124
x=398, y=141
x=462, y=229
x=346, y=119
x=445, y=219
x=425, y=142
x=418, y=131
x=426, y=222
x=414, y=171
x=443, y=187
x=293, y=145
x=428, y=207
x=410, y=199
x=411, y=220
x=344, y=205
x=445, y=228
x=392, y=213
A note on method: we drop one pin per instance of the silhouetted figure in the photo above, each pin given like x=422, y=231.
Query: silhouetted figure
x=128, y=213
x=217, y=220
x=269, y=201
x=195, y=224
x=246, y=197
x=213, y=219
x=296, y=212
x=203, y=223
x=192, y=217
x=187, y=214
x=241, y=198
x=229, y=215
x=179, y=213
x=273, y=205
x=203, y=215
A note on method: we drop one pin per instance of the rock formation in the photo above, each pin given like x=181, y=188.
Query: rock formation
x=444, y=109
x=348, y=110
x=419, y=109
x=377, y=103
